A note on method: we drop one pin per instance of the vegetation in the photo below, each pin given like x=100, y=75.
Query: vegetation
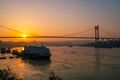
x=53, y=76
x=7, y=74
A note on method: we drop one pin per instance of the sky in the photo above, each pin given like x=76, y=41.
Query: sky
x=59, y=17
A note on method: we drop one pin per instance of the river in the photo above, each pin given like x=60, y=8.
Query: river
x=70, y=63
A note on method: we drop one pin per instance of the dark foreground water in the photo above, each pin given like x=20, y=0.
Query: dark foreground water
x=70, y=63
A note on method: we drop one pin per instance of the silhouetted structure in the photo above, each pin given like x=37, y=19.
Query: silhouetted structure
x=97, y=36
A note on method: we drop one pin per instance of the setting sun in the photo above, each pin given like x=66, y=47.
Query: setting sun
x=24, y=35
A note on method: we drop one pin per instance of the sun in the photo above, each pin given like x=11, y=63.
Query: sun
x=24, y=35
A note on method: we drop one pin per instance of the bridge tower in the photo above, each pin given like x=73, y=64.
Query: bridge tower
x=97, y=36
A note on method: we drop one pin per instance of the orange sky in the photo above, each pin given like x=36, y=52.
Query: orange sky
x=56, y=17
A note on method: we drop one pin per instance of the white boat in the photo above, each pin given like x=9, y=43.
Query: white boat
x=36, y=52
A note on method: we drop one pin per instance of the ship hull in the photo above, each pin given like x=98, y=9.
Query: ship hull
x=32, y=56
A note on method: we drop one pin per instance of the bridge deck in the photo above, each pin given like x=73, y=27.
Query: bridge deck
x=56, y=37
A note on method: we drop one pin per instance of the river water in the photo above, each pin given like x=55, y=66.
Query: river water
x=70, y=63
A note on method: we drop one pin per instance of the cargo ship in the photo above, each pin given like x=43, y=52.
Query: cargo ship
x=34, y=52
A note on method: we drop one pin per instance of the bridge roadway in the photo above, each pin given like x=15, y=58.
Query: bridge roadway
x=56, y=37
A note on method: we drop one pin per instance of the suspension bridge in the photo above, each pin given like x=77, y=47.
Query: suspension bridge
x=96, y=35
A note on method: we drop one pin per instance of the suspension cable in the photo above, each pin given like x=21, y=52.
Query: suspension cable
x=109, y=33
x=77, y=32
x=15, y=30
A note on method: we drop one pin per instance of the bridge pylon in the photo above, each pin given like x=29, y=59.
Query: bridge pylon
x=97, y=36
